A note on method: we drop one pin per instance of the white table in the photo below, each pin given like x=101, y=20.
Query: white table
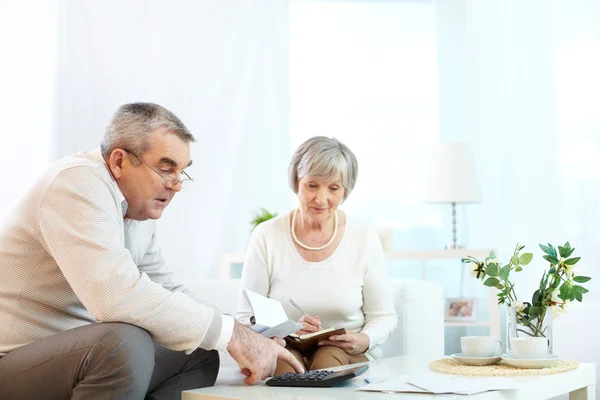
x=580, y=383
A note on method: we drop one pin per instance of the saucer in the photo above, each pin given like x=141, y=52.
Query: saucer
x=478, y=361
x=530, y=363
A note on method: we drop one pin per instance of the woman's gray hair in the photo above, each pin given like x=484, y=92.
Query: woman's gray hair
x=323, y=157
x=132, y=125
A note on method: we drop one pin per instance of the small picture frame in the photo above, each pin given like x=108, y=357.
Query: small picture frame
x=460, y=309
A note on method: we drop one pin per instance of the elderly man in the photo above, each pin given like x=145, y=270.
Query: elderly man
x=88, y=308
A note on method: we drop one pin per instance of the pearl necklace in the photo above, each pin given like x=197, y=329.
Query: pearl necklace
x=299, y=243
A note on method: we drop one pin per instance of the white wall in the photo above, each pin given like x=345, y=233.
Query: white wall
x=28, y=35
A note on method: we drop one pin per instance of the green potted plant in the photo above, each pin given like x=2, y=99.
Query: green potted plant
x=558, y=286
x=261, y=216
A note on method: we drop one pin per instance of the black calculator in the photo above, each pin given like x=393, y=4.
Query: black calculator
x=320, y=378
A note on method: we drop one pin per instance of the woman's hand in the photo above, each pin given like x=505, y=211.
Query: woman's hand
x=350, y=342
x=309, y=324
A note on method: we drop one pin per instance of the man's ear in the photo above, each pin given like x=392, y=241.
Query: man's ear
x=115, y=162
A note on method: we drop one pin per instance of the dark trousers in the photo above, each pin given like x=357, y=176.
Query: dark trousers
x=103, y=361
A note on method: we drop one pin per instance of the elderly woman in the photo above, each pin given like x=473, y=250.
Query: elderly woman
x=330, y=264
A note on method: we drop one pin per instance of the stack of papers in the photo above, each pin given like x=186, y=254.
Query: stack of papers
x=440, y=384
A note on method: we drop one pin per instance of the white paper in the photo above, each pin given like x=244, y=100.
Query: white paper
x=440, y=384
x=282, y=330
x=393, y=385
x=267, y=312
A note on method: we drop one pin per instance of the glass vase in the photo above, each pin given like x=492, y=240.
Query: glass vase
x=520, y=325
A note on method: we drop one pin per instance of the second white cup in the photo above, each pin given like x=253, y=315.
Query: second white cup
x=529, y=347
x=480, y=346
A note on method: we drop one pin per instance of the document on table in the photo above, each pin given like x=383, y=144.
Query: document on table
x=440, y=384
x=393, y=385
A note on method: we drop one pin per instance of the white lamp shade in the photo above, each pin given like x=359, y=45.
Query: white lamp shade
x=450, y=175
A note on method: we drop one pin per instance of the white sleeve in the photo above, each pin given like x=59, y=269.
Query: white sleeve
x=80, y=227
x=226, y=333
x=380, y=315
x=255, y=274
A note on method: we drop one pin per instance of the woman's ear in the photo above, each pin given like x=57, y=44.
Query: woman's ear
x=115, y=162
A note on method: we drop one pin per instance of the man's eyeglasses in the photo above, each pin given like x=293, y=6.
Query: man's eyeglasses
x=168, y=180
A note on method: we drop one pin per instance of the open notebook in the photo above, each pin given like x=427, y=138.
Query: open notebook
x=313, y=334
x=309, y=340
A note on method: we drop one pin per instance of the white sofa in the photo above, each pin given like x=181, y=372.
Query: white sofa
x=419, y=305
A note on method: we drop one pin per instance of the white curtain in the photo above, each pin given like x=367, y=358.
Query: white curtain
x=28, y=40
x=222, y=67
x=365, y=72
x=529, y=93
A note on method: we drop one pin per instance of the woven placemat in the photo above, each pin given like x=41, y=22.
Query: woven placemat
x=453, y=367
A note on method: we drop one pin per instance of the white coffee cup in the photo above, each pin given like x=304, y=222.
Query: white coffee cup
x=529, y=348
x=479, y=346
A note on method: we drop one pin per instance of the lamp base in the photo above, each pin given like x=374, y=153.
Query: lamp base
x=454, y=245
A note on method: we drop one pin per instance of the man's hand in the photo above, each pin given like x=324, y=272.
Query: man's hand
x=350, y=342
x=258, y=355
x=309, y=324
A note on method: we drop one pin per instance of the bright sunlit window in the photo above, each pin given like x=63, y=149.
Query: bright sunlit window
x=365, y=72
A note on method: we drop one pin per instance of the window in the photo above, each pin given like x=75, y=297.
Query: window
x=365, y=72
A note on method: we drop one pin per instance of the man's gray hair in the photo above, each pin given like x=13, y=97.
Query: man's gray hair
x=132, y=125
x=323, y=157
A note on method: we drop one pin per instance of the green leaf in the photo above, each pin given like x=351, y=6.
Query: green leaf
x=515, y=259
x=499, y=287
x=581, y=279
x=564, y=290
x=579, y=297
x=580, y=289
x=492, y=254
x=572, y=294
x=261, y=216
x=569, y=252
x=534, y=311
x=491, y=282
x=572, y=261
x=552, y=250
x=504, y=272
x=518, y=268
x=546, y=249
x=525, y=258
x=492, y=270
x=562, y=251
x=552, y=259
x=535, y=297
x=555, y=283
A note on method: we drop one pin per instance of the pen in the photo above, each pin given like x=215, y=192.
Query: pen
x=374, y=380
x=300, y=309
